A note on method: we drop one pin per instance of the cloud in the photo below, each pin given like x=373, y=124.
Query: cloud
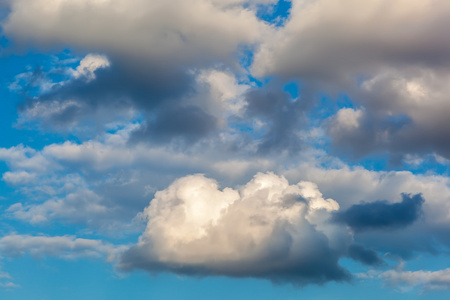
x=366, y=256
x=403, y=113
x=350, y=185
x=16, y=178
x=381, y=214
x=67, y=247
x=90, y=64
x=427, y=280
x=85, y=183
x=166, y=35
x=395, y=79
x=74, y=207
x=267, y=229
x=5, y=279
x=146, y=64
x=190, y=123
x=280, y=118
x=359, y=43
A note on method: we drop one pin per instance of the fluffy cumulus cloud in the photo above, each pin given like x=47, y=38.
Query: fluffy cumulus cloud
x=268, y=228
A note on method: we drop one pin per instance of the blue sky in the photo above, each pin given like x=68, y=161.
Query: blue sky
x=224, y=149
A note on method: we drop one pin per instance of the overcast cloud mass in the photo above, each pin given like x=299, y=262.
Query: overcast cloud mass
x=258, y=145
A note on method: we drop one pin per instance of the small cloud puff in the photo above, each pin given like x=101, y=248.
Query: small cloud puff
x=89, y=65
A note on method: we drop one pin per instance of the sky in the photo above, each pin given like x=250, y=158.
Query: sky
x=224, y=149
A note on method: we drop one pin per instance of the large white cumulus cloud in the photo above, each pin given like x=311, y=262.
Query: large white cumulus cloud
x=268, y=228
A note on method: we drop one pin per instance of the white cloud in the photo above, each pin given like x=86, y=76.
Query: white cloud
x=225, y=87
x=67, y=247
x=76, y=206
x=90, y=64
x=268, y=228
x=25, y=158
x=5, y=280
x=347, y=119
x=18, y=178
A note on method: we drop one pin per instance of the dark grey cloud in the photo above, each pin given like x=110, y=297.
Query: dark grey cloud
x=382, y=214
x=188, y=123
x=119, y=86
x=366, y=256
x=160, y=96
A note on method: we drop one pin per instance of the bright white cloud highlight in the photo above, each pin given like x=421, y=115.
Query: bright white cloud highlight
x=89, y=65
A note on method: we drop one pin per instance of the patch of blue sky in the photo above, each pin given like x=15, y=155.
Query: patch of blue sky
x=275, y=14
x=292, y=88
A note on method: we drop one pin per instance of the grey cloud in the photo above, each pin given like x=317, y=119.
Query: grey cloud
x=188, y=123
x=114, y=89
x=283, y=118
x=382, y=214
x=429, y=233
x=403, y=112
x=155, y=52
x=364, y=255
x=358, y=43
x=369, y=57
x=373, y=134
x=158, y=36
